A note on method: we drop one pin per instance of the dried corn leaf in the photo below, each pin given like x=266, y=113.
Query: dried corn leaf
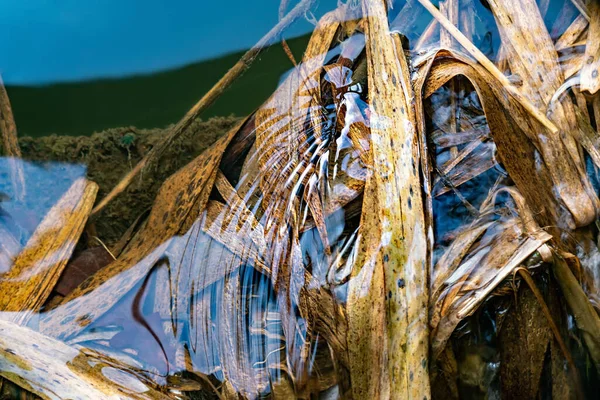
x=454, y=255
x=450, y=10
x=571, y=65
x=524, y=340
x=537, y=64
x=35, y=271
x=535, y=175
x=387, y=321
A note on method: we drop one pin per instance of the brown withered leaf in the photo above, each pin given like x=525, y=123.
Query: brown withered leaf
x=524, y=340
x=35, y=271
x=387, y=321
x=454, y=255
x=473, y=282
x=511, y=129
x=586, y=317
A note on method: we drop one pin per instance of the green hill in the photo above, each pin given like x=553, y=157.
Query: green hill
x=147, y=101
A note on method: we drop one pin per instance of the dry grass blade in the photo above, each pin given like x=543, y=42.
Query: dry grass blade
x=488, y=65
x=10, y=143
x=387, y=299
x=52, y=369
x=35, y=271
x=590, y=79
x=242, y=65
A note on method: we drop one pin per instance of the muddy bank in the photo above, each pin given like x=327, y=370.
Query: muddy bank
x=110, y=154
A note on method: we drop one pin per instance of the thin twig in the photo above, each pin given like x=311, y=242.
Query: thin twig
x=489, y=66
x=241, y=66
x=11, y=144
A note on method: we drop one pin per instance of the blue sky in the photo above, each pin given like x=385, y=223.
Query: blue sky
x=49, y=41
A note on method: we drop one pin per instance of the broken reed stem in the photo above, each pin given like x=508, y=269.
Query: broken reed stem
x=488, y=65
x=563, y=347
x=11, y=144
x=241, y=66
